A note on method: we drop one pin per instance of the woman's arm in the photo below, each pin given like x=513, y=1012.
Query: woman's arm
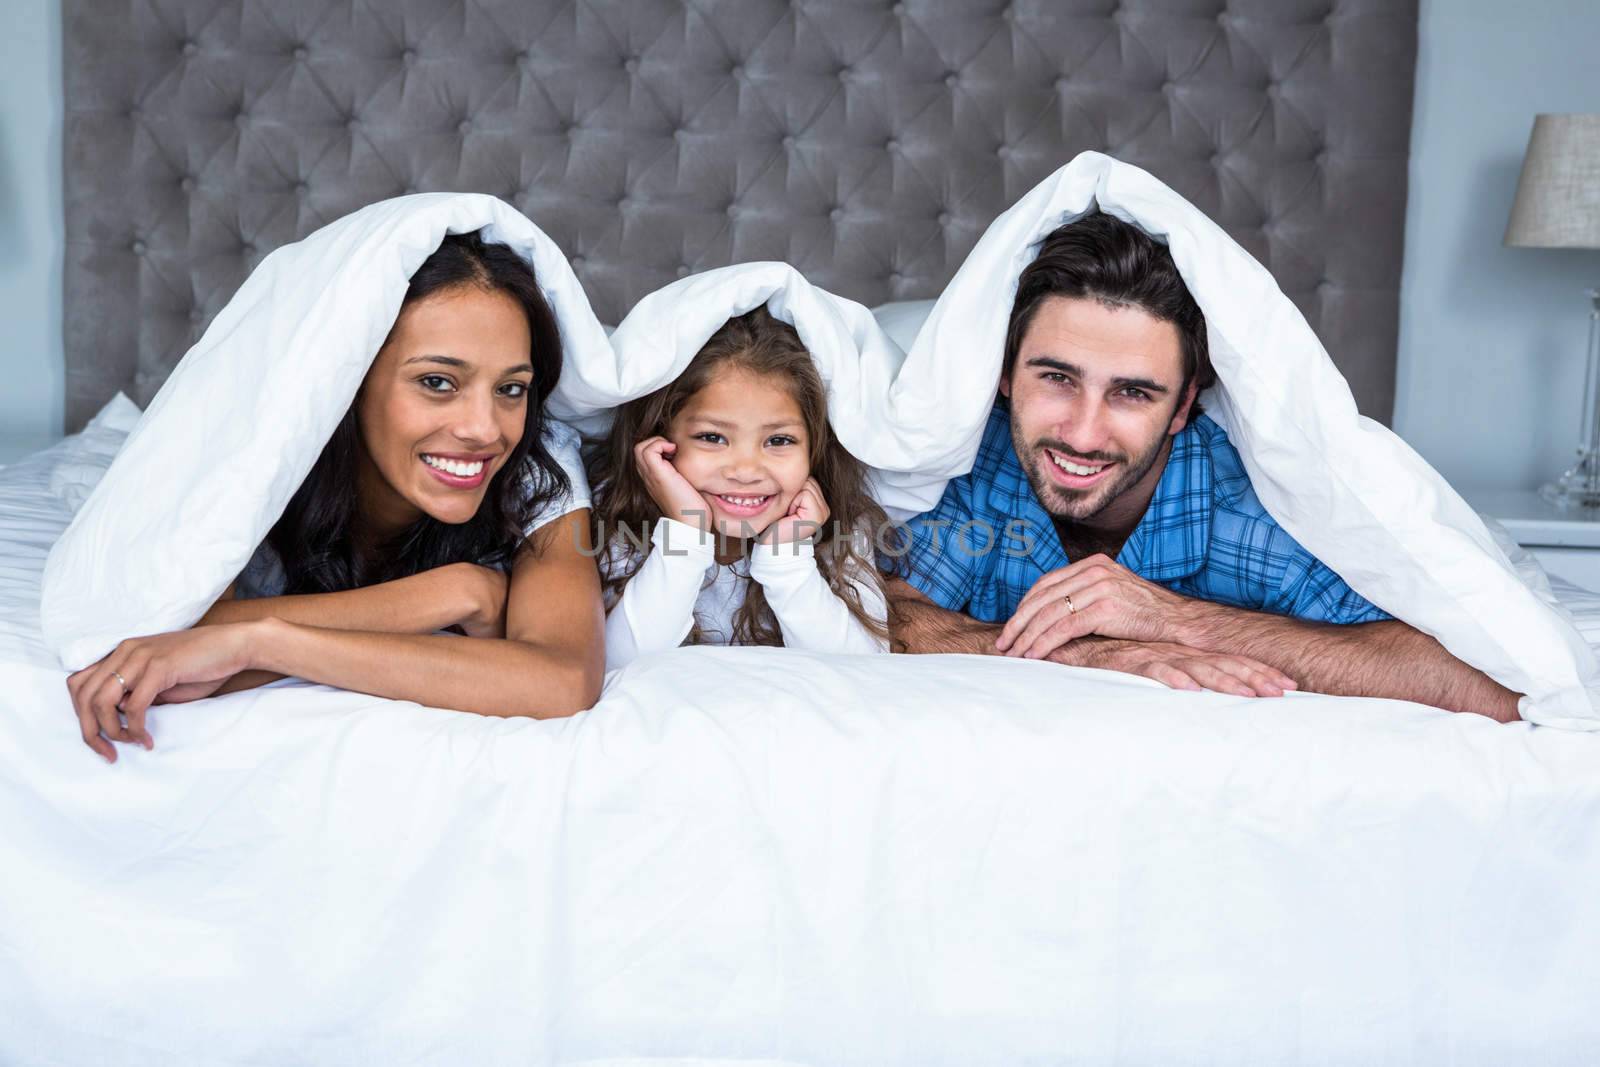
x=463, y=594
x=550, y=663
x=809, y=613
x=458, y=594
x=656, y=609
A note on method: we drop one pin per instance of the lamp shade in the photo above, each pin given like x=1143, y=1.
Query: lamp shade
x=1558, y=195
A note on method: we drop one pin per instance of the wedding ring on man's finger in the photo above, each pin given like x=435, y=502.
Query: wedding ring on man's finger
x=1070, y=609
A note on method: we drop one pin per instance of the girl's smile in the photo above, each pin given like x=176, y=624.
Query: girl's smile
x=741, y=443
x=741, y=506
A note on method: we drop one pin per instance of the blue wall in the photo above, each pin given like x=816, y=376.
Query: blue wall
x=30, y=224
x=1491, y=340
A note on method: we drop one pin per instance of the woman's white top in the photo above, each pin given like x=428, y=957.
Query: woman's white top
x=264, y=575
x=681, y=584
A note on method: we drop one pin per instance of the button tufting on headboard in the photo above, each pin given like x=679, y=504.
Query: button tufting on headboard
x=870, y=144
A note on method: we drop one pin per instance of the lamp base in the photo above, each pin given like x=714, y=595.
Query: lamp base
x=1578, y=489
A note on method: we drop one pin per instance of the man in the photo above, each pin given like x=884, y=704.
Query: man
x=1107, y=522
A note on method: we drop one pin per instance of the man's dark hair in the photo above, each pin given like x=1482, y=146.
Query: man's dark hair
x=1102, y=258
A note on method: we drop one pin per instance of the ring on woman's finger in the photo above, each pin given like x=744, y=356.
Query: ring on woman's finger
x=126, y=688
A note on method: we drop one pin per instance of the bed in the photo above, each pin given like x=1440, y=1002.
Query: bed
x=919, y=860
x=908, y=860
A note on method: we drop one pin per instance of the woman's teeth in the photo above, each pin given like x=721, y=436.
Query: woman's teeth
x=1076, y=468
x=455, y=466
x=744, y=501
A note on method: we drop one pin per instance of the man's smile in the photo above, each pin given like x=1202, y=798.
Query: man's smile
x=1076, y=474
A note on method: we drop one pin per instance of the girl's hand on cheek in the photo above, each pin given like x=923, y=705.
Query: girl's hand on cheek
x=671, y=491
x=807, y=515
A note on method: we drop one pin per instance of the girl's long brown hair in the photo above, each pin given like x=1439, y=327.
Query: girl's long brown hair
x=763, y=345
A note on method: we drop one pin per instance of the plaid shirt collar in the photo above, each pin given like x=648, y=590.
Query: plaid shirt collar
x=1171, y=539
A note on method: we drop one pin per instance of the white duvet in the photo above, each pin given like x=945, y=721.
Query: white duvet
x=883, y=860
x=762, y=856
x=246, y=412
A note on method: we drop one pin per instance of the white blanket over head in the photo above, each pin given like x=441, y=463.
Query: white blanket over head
x=893, y=422
x=243, y=417
x=245, y=414
x=1344, y=486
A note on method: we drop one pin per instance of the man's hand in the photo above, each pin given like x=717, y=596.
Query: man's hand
x=1095, y=595
x=920, y=625
x=1178, y=666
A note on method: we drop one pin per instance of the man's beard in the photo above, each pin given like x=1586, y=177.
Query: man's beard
x=1080, y=505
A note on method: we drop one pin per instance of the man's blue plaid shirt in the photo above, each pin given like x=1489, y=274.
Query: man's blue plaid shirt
x=1205, y=535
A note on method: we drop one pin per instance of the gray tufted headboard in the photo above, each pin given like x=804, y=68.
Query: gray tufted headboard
x=868, y=142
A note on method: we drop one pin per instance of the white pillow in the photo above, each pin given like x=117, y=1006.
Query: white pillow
x=241, y=420
x=94, y=445
x=87, y=455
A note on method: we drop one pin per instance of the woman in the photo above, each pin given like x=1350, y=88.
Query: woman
x=443, y=500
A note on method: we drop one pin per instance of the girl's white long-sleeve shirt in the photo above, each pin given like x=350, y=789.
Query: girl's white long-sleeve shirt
x=681, y=583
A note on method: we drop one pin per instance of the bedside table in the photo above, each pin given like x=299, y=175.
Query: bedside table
x=1566, y=543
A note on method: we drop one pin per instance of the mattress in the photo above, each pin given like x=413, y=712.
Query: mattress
x=761, y=856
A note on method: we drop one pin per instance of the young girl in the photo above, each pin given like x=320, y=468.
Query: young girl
x=444, y=500
x=728, y=513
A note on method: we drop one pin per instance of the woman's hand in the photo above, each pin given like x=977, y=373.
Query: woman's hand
x=163, y=668
x=807, y=514
x=486, y=592
x=671, y=491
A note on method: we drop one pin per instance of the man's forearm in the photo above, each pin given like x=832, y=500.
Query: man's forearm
x=917, y=624
x=1374, y=659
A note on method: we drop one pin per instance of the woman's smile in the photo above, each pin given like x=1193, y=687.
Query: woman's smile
x=459, y=470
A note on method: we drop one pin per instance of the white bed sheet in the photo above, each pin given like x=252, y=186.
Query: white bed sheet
x=891, y=860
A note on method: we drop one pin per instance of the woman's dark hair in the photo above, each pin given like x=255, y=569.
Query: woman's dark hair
x=1103, y=258
x=314, y=538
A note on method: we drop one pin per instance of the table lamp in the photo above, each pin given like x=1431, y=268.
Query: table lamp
x=1558, y=206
